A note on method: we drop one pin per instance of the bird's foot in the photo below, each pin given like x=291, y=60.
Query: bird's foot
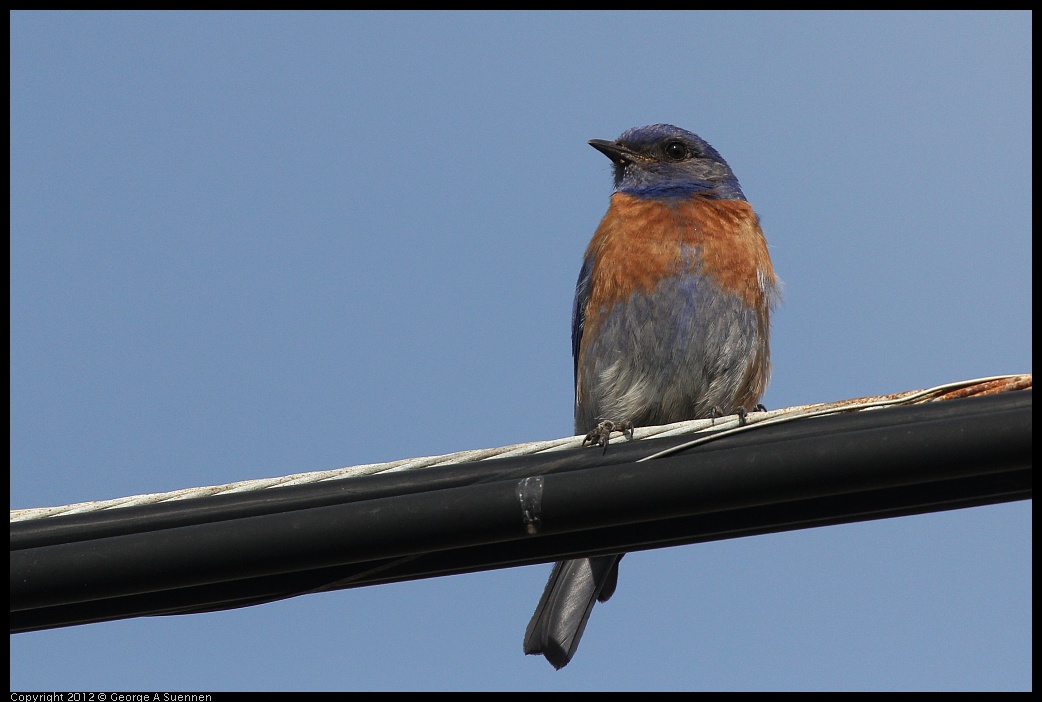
x=602, y=433
x=742, y=414
x=715, y=413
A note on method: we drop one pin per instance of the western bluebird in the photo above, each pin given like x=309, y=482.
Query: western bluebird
x=670, y=322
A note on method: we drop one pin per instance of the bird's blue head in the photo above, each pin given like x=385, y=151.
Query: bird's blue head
x=663, y=161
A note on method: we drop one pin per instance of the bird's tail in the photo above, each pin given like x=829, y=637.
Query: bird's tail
x=565, y=606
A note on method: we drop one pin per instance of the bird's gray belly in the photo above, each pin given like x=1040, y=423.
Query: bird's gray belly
x=683, y=351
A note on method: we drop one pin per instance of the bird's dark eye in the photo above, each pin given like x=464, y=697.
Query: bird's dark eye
x=676, y=151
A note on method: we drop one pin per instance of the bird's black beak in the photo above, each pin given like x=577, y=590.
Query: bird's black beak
x=614, y=150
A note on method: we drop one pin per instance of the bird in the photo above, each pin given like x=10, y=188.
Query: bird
x=670, y=322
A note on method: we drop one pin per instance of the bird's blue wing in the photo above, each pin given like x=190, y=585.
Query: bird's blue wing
x=582, y=300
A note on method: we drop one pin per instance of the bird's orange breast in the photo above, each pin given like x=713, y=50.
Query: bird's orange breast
x=640, y=241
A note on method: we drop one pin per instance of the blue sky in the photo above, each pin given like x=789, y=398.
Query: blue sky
x=247, y=245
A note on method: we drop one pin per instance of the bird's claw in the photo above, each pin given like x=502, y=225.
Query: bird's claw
x=602, y=433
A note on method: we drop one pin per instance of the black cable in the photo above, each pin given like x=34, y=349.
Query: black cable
x=235, y=550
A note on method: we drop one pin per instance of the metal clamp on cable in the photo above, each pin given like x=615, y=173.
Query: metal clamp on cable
x=530, y=493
